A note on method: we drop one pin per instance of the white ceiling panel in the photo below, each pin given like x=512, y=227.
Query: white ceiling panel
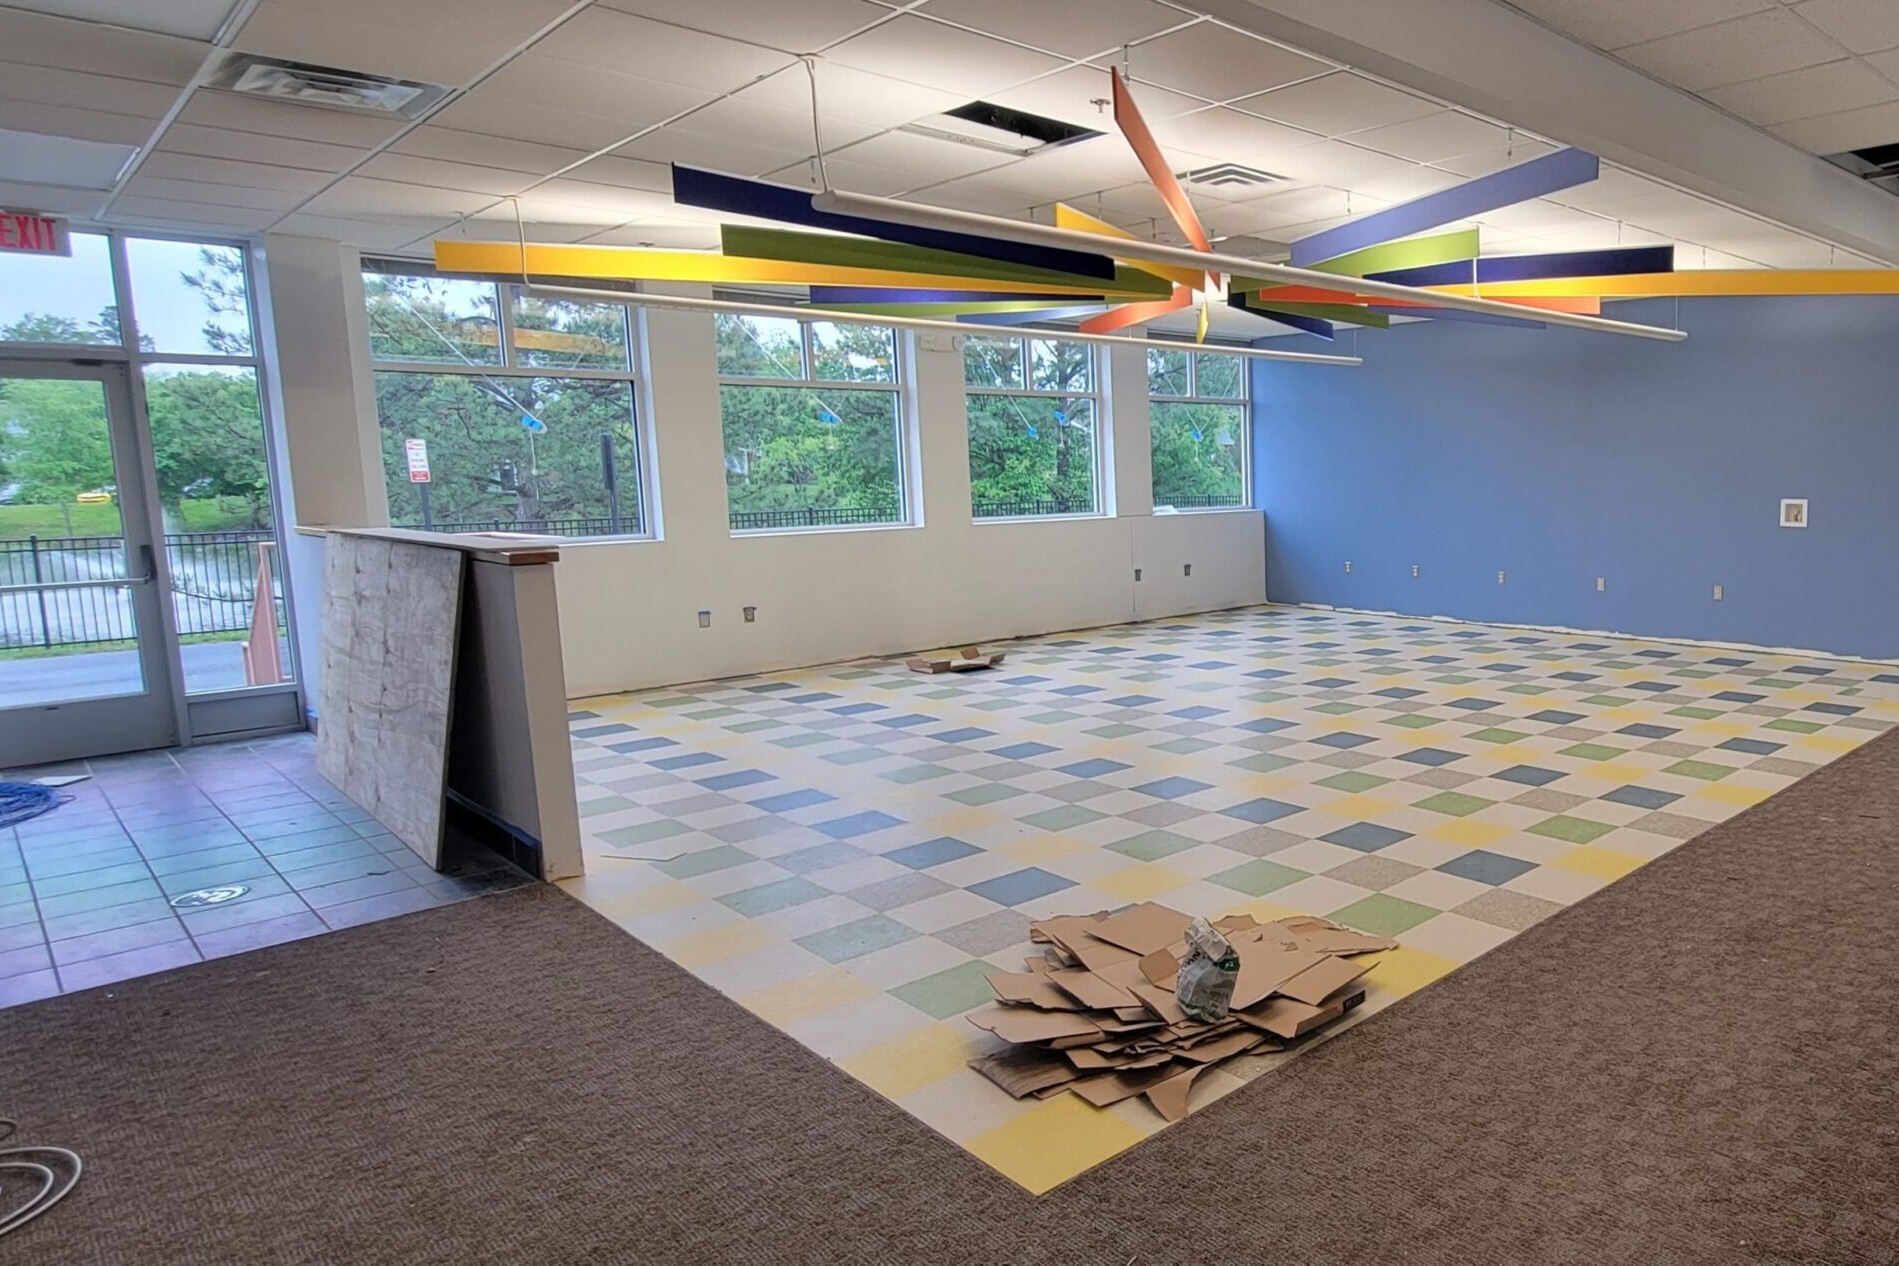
x=355, y=196
x=187, y=19
x=49, y=199
x=1847, y=130
x=35, y=40
x=219, y=171
x=1407, y=183
x=984, y=199
x=49, y=160
x=1847, y=84
x=398, y=40
x=249, y=147
x=1623, y=195
x=143, y=186
x=574, y=196
x=1218, y=63
x=494, y=114
x=170, y=213
x=658, y=234
x=1764, y=43
x=941, y=56
x=736, y=158
x=635, y=102
x=1519, y=150
x=922, y=160
x=1337, y=104
x=364, y=233
x=456, y=146
x=786, y=131
x=1447, y=134
x=805, y=27
x=441, y=174
x=1068, y=28
x=1886, y=63
x=1337, y=163
x=278, y=118
x=81, y=125
x=1619, y=23
x=1070, y=95
x=44, y=85
x=1230, y=136
x=857, y=177
x=1102, y=162
x=624, y=173
x=1863, y=26
x=856, y=96
x=628, y=45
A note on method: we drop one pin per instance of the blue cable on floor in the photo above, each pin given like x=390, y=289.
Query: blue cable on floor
x=22, y=800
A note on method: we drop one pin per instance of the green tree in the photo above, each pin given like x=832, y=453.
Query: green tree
x=54, y=441
x=208, y=440
x=1196, y=451
x=1031, y=454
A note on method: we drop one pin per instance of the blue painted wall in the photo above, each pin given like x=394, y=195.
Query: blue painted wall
x=1557, y=456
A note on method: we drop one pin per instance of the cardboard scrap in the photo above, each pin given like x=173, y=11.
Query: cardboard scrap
x=1097, y=1014
x=967, y=660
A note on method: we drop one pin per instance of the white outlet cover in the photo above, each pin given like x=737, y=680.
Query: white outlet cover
x=1793, y=512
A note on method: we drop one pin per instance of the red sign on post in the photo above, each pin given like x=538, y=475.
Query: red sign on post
x=24, y=233
x=417, y=453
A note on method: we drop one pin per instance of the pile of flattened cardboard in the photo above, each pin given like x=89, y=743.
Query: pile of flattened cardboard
x=1096, y=1014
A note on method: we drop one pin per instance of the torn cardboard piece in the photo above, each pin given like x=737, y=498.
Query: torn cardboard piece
x=968, y=660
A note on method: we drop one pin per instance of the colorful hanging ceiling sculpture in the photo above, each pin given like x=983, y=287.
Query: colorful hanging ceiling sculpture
x=866, y=265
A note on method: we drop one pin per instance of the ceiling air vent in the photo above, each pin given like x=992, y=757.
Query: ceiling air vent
x=324, y=86
x=1878, y=164
x=999, y=128
x=1230, y=175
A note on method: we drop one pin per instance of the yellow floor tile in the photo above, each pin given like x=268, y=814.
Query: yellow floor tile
x=1051, y=1143
x=1142, y=881
x=908, y=1063
x=961, y=820
x=622, y=905
x=1831, y=742
x=1615, y=771
x=1360, y=808
x=1406, y=970
x=1469, y=832
x=716, y=944
x=1048, y=848
x=1736, y=794
x=1603, y=863
x=821, y=991
x=1265, y=911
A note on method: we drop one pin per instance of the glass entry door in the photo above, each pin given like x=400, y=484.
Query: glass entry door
x=85, y=668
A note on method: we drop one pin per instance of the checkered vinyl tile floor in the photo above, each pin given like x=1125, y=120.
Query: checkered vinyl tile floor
x=847, y=850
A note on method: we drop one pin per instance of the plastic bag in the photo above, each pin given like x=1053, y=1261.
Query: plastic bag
x=1204, y=987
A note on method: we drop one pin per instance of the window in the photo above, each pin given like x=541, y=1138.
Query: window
x=1198, y=420
x=812, y=416
x=1034, y=427
x=523, y=409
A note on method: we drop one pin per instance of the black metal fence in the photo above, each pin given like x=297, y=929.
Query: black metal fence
x=814, y=516
x=213, y=581
x=619, y=525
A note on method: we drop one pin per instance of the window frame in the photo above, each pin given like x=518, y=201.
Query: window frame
x=1098, y=365
x=645, y=504
x=1243, y=402
x=909, y=508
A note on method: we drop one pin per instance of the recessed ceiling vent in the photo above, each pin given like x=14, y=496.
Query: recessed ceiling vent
x=999, y=128
x=1230, y=175
x=324, y=86
x=1878, y=164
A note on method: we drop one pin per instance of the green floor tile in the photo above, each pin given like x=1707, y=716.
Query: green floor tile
x=855, y=755
x=1353, y=780
x=606, y=804
x=782, y=895
x=1114, y=731
x=1694, y=714
x=1793, y=726
x=1778, y=683
x=1337, y=708
x=1265, y=696
x=855, y=939
x=753, y=727
x=916, y=773
x=1412, y=721
x=644, y=832
x=1574, y=830
x=1526, y=689
x=711, y=714
x=1497, y=735
x=1592, y=751
x=724, y=857
x=1057, y=717
x=1383, y=915
x=1454, y=803
x=1151, y=846
x=800, y=740
x=1264, y=763
x=983, y=793
x=1454, y=679
x=1063, y=818
x=951, y=992
x=1608, y=701
x=1257, y=878
x=1708, y=771
x=1184, y=746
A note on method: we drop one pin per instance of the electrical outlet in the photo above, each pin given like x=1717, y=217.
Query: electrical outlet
x=1186, y=569
x=1137, y=575
x=705, y=619
x=1500, y=578
x=1793, y=512
x=751, y=615
x=1348, y=569
x=1720, y=592
x=1602, y=583
x=1414, y=571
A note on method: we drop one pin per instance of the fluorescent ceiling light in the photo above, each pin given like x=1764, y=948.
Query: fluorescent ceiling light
x=59, y=160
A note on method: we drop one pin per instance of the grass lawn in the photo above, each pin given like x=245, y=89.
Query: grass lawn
x=220, y=514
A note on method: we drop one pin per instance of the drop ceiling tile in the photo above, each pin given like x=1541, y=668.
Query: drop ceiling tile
x=456, y=146
x=1337, y=163
x=441, y=174
x=165, y=211
x=1623, y=195
x=1300, y=205
x=1218, y=62
x=1245, y=219
x=78, y=124
x=1483, y=162
x=361, y=195
x=941, y=56
x=735, y=158
x=628, y=204
x=786, y=131
x=1619, y=23
x=1337, y=104
x=1067, y=28
x=1537, y=216
x=1886, y=63
x=856, y=96
x=265, y=117
x=144, y=186
x=1406, y=184
x=563, y=85
x=1070, y=95
x=1433, y=137
x=1863, y=26
x=1102, y=162
x=384, y=234
x=35, y=40
x=53, y=160
x=624, y=173
x=1760, y=44
x=970, y=194
x=249, y=147
x=187, y=19
x=629, y=45
x=805, y=27
x=50, y=199
x=656, y=234
x=220, y=171
x=1230, y=136
x=44, y=85
x=1847, y=84
x=1849, y=129
x=493, y=114
x=844, y=174
x=391, y=43
x=923, y=160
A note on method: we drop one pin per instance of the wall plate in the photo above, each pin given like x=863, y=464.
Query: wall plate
x=1793, y=512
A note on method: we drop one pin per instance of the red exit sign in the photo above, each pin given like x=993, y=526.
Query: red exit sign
x=23, y=233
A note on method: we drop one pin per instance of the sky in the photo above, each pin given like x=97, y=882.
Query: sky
x=170, y=313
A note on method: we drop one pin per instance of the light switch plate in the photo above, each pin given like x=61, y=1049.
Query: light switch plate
x=1793, y=512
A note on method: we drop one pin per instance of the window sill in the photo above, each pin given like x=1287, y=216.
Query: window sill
x=1042, y=518
x=743, y=534
x=1170, y=512
x=582, y=542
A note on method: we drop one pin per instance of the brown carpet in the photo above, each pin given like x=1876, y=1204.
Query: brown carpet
x=1697, y=1065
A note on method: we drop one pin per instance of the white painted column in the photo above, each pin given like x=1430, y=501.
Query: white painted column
x=1130, y=446
x=680, y=405
x=939, y=417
